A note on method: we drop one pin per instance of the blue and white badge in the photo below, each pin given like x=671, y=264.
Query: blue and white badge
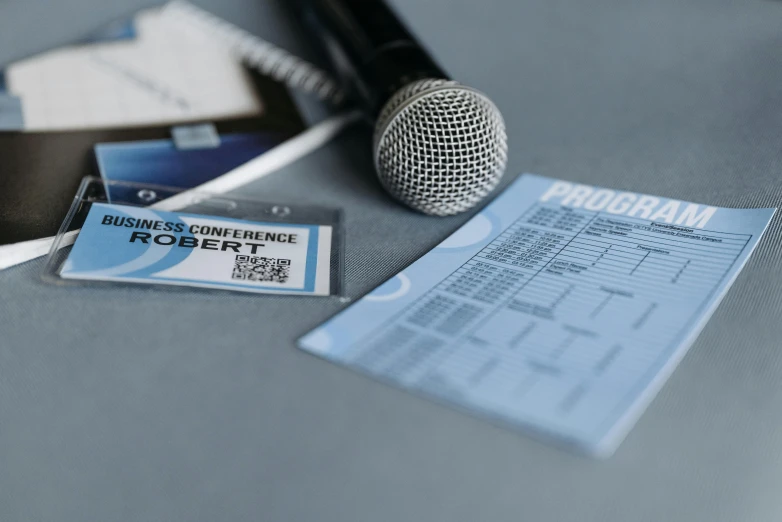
x=141, y=245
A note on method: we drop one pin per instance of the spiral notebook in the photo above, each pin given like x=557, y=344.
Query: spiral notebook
x=157, y=71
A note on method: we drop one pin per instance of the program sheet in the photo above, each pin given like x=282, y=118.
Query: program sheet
x=560, y=309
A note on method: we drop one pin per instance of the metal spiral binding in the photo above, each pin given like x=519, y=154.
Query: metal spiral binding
x=267, y=58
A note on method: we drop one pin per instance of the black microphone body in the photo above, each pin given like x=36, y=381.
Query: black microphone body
x=439, y=147
x=371, y=50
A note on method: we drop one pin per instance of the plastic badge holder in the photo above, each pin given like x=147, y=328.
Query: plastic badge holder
x=91, y=248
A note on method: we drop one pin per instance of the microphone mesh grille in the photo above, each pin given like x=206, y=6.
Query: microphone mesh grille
x=440, y=147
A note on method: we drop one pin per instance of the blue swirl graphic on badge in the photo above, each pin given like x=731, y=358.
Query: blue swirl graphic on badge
x=153, y=258
x=96, y=251
x=168, y=255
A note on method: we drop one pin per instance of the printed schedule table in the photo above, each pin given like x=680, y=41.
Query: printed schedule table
x=566, y=322
x=559, y=275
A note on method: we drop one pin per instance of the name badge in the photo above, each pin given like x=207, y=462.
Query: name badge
x=143, y=245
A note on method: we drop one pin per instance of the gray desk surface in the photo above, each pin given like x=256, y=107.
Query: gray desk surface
x=136, y=405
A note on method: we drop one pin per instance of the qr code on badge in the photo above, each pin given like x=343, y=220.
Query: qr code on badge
x=262, y=269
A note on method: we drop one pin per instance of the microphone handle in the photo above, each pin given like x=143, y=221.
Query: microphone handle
x=373, y=53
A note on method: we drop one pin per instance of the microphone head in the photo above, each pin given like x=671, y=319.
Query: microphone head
x=440, y=147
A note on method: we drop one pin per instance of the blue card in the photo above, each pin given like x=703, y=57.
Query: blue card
x=559, y=310
x=161, y=162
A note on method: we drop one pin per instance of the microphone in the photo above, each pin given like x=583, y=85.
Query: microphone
x=439, y=147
